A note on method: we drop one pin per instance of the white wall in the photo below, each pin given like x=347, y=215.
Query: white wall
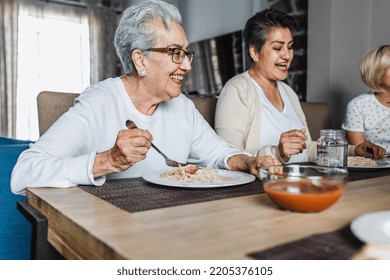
x=340, y=32
x=380, y=22
x=205, y=19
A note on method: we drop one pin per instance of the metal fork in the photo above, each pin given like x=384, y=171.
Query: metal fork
x=130, y=125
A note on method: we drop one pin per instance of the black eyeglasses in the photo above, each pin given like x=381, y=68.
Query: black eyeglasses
x=178, y=54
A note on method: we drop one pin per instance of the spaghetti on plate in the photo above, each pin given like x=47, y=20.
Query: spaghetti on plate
x=358, y=161
x=193, y=173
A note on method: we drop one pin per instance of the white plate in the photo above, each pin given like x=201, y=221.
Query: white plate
x=233, y=178
x=382, y=163
x=372, y=227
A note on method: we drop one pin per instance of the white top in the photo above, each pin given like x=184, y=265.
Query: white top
x=274, y=123
x=64, y=155
x=366, y=114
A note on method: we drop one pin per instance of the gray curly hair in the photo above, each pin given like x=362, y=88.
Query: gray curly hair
x=133, y=31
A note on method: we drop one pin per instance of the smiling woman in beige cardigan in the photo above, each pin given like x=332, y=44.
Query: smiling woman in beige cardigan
x=258, y=112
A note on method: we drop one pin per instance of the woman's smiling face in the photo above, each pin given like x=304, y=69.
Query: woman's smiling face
x=165, y=75
x=274, y=59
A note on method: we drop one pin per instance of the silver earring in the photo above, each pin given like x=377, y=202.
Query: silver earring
x=142, y=72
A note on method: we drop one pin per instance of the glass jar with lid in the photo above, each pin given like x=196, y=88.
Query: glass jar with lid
x=332, y=148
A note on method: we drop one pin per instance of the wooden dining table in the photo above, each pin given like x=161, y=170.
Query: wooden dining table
x=82, y=225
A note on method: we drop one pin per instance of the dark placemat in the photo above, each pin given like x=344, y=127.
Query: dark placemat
x=357, y=175
x=336, y=245
x=135, y=194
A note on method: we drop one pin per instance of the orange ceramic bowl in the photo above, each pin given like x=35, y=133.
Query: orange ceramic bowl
x=303, y=188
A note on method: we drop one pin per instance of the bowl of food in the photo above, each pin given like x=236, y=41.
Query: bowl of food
x=303, y=188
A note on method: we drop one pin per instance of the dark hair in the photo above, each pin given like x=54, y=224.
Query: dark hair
x=258, y=27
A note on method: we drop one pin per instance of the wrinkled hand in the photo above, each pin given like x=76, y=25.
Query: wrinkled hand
x=291, y=143
x=368, y=149
x=250, y=164
x=131, y=146
x=255, y=163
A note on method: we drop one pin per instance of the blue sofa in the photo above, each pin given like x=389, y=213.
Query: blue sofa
x=15, y=229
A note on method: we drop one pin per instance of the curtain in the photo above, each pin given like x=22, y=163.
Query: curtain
x=102, y=24
x=53, y=55
x=8, y=65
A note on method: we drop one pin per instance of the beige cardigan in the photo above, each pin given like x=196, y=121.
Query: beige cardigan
x=238, y=117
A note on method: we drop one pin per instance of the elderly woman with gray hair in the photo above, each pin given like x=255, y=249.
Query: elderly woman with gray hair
x=91, y=143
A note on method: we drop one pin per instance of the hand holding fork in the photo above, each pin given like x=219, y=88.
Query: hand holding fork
x=130, y=125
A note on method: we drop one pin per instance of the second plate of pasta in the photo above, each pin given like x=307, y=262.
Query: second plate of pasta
x=362, y=163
